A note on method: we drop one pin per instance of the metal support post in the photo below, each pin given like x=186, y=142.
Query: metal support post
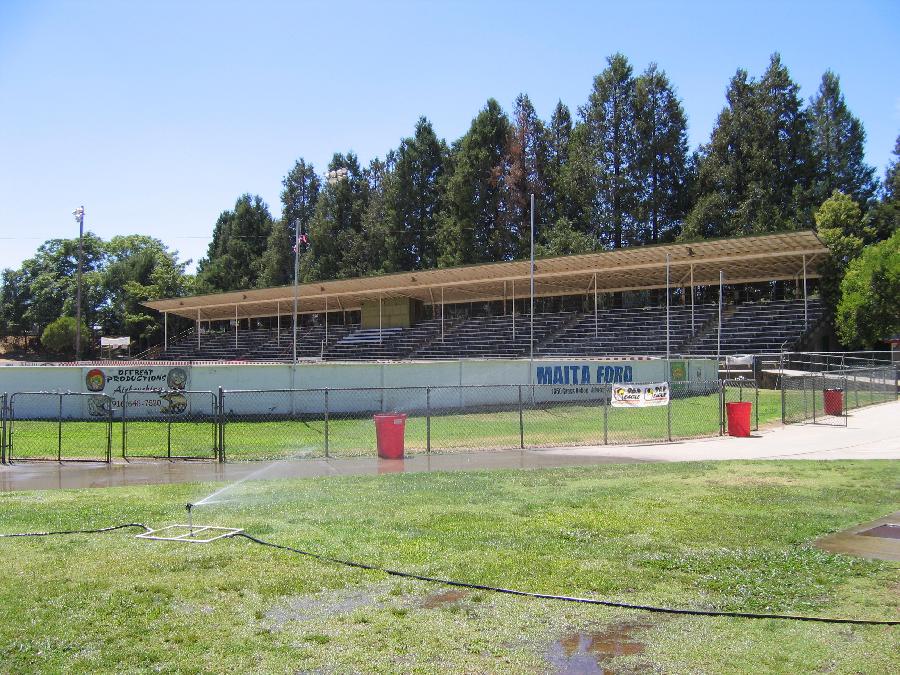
x=668, y=352
x=278, y=323
x=442, y=313
x=198, y=330
x=531, y=349
x=596, y=318
x=326, y=421
x=805, y=311
x=59, y=431
x=606, y=403
x=693, y=329
x=521, y=422
x=428, y=419
x=669, y=414
x=326, y=319
x=221, y=424
x=514, y=308
x=719, y=333
x=165, y=331
x=379, y=319
x=236, y=326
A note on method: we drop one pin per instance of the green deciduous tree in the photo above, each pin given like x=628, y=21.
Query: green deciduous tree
x=59, y=335
x=869, y=308
x=842, y=227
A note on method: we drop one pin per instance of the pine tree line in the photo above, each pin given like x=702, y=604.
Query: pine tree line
x=618, y=173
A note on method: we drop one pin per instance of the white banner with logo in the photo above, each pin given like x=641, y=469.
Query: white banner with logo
x=151, y=390
x=640, y=395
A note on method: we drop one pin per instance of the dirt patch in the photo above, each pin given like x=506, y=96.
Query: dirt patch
x=593, y=652
x=446, y=598
x=857, y=540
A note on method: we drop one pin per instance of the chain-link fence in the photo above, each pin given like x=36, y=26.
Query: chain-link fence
x=827, y=397
x=176, y=424
x=72, y=427
x=286, y=424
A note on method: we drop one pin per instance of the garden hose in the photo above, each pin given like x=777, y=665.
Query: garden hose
x=497, y=589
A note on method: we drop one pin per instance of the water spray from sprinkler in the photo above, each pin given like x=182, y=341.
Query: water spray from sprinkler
x=189, y=507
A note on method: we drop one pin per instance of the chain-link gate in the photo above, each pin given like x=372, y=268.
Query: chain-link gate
x=827, y=397
x=68, y=426
x=176, y=424
x=274, y=424
x=737, y=391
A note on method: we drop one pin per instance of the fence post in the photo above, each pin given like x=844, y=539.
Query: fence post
x=669, y=413
x=721, y=407
x=220, y=424
x=428, y=420
x=3, y=398
x=59, y=431
x=521, y=421
x=606, y=403
x=109, y=432
x=756, y=405
x=124, y=423
x=813, y=387
x=782, y=399
x=326, y=421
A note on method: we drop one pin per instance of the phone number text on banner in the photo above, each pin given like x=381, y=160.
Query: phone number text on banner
x=640, y=395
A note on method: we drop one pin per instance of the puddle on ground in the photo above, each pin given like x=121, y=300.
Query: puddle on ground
x=591, y=652
x=325, y=605
x=445, y=598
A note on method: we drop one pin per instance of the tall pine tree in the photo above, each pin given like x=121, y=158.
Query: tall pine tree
x=234, y=258
x=661, y=161
x=838, y=146
x=471, y=225
x=609, y=138
x=755, y=175
x=337, y=220
x=298, y=203
x=414, y=199
x=526, y=174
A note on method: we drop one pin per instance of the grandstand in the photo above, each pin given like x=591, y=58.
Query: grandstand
x=403, y=316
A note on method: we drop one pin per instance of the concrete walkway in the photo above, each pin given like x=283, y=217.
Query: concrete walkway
x=872, y=433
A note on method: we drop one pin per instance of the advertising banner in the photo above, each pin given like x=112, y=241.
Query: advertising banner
x=640, y=395
x=151, y=390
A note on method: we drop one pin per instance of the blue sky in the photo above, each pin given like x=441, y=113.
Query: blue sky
x=158, y=115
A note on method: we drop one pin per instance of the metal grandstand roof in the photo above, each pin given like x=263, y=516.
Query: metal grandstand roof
x=743, y=260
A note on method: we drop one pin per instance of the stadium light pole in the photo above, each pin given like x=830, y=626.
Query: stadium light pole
x=296, y=274
x=667, y=310
x=79, y=216
x=531, y=350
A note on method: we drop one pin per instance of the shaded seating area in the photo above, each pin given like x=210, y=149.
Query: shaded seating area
x=383, y=317
x=757, y=327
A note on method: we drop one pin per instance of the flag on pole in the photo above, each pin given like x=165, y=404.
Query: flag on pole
x=302, y=239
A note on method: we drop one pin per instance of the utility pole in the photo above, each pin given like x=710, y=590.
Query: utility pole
x=79, y=216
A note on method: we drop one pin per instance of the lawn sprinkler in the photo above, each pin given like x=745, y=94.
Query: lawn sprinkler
x=187, y=533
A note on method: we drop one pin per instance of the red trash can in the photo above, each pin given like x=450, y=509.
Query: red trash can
x=738, y=418
x=834, y=402
x=389, y=430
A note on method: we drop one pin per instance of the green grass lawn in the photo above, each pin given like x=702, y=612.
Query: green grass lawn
x=727, y=535
x=542, y=426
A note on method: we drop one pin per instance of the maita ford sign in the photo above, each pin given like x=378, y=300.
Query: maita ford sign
x=581, y=374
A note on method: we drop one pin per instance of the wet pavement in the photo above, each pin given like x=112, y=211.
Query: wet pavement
x=52, y=476
x=867, y=540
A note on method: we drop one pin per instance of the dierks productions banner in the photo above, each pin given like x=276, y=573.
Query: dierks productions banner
x=151, y=390
x=640, y=395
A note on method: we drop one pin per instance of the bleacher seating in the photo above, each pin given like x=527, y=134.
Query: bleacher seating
x=627, y=332
x=746, y=328
x=386, y=344
x=492, y=337
x=758, y=327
